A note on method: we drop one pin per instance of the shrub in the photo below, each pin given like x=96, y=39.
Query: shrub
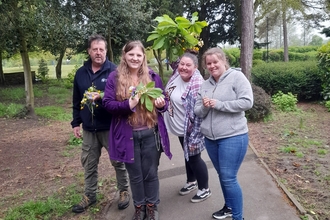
x=301, y=78
x=285, y=102
x=261, y=107
x=43, y=70
x=68, y=82
x=327, y=105
x=257, y=62
x=324, y=64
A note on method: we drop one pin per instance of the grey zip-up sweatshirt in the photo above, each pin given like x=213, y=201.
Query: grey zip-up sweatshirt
x=234, y=95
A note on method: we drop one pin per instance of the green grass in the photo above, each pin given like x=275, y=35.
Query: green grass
x=66, y=69
x=53, y=112
x=51, y=207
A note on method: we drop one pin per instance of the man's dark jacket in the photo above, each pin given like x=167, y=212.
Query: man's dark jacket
x=84, y=79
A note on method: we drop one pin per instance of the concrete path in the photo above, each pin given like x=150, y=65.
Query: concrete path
x=263, y=199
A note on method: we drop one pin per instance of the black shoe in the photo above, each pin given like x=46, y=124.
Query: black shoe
x=223, y=213
x=152, y=212
x=84, y=203
x=187, y=188
x=140, y=212
x=201, y=195
x=124, y=198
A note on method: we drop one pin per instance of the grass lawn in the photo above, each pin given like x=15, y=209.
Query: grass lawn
x=66, y=69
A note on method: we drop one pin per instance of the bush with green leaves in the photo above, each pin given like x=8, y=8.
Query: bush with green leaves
x=327, y=105
x=43, y=70
x=68, y=83
x=324, y=64
x=261, y=108
x=301, y=78
x=285, y=102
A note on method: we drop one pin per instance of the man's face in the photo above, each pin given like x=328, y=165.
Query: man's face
x=97, y=52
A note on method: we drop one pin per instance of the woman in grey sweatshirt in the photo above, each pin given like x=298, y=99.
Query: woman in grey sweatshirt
x=221, y=102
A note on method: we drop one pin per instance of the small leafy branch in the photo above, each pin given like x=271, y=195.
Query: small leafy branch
x=88, y=99
x=177, y=36
x=146, y=94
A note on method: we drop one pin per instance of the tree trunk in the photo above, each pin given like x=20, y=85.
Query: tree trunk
x=247, y=37
x=158, y=56
x=205, y=34
x=27, y=78
x=110, y=51
x=285, y=37
x=2, y=75
x=58, y=68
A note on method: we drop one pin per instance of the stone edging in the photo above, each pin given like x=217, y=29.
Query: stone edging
x=299, y=207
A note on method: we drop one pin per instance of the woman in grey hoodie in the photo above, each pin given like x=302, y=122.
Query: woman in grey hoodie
x=221, y=102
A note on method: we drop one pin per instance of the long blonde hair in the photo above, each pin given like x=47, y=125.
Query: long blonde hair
x=124, y=81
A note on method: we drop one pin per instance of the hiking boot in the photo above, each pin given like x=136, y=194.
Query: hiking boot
x=152, y=212
x=188, y=188
x=201, y=195
x=123, y=202
x=140, y=212
x=86, y=201
x=223, y=213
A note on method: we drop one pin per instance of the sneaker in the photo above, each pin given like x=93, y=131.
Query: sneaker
x=140, y=212
x=188, y=188
x=223, y=213
x=84, y=203
x=152, y=212
x=124, y=198
x=201, y=195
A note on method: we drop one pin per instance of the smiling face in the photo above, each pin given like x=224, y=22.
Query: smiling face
x=186, y=68
x=97, y=52
x=215, y=66
x=134, y=58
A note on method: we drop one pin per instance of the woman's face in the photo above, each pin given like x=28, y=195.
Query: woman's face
x=186, y=68
x=134, y=58
x=215, y=66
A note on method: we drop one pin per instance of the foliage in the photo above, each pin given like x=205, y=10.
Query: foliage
x=261, y=106
x=177, y=36
x=53, y=113
x=327, y=104
x=285, y=102
x=146, y=94
x=74, y=141
x=68, y=82
x=301, y=78
x=324, y=64
x=42, y=70
x=11, y=110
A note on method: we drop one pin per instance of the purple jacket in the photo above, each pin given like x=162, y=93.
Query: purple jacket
x=121, y=146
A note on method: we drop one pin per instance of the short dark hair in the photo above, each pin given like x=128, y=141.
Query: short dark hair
x=96, y=37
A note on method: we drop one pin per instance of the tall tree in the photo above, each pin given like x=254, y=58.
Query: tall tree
x=115, y=20
x=311, y=11
x=247, y=36
x=60, y=30
x=22, y=20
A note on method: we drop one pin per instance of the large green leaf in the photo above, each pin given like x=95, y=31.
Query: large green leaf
x=153, y=37
x=183, y=22
x=159, y=43
x=164, y=18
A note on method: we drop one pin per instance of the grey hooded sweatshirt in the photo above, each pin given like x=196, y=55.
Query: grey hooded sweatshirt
x=234, y=95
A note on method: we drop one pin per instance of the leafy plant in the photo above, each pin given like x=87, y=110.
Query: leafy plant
x=177, y=36
x=285, y=102
x=43, y=70
x=146, y=93
x=324, y=64
x=327, y=104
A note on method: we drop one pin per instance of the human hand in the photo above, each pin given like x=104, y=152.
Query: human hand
x=133, y=101
x=76, y=132
x=210, y=103
x=159, y=102
x=93, y=96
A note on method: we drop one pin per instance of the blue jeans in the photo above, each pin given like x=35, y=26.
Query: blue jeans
x=227, y=155
x=143, y=173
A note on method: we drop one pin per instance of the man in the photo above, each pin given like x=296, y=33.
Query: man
x=96, y=123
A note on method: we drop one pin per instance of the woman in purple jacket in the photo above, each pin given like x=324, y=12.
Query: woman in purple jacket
x=137, y=135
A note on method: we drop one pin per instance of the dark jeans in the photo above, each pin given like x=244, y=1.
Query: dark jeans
x=90, y=156
x=196, y=169
x=143, y=173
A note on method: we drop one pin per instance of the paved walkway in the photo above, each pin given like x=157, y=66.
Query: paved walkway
x=263, y=198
